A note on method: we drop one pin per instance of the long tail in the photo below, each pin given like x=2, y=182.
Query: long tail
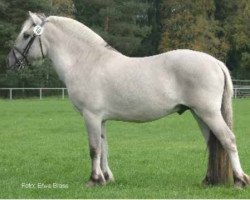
x=219, y=166
x=226, y=106
x=227, y=112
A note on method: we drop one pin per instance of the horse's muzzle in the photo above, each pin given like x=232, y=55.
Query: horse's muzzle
x=13, y=62
x=10, y=60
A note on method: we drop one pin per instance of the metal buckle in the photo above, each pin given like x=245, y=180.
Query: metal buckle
x=38, y=30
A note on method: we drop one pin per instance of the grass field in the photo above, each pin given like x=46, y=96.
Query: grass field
x=44, y=142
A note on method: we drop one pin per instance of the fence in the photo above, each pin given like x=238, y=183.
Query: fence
x=238, y=82
x=40, y=91
x=241, y=88
x=240, y=91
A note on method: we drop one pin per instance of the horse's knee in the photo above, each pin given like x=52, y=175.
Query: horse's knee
x=233, y=139
x=93, y=152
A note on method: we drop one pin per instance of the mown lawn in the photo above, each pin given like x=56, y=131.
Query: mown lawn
x=44, y=142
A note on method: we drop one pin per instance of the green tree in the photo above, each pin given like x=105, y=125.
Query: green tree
x=149, y=45
x=123, y=24
x=190, y=24
x=234, y=17
x=63, y=7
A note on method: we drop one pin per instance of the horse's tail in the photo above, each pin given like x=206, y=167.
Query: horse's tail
x=226, y=106
x=219, y=167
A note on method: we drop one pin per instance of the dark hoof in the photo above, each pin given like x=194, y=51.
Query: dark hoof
x=246, y=179
x=206, y=181
x=108, y=177
x=92, y=183
x=96, y=181
x=240, y=183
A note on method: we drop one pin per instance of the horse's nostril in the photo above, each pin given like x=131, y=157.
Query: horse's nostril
x=8, y=60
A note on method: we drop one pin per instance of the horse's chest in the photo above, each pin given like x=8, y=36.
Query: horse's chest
x=83, y=97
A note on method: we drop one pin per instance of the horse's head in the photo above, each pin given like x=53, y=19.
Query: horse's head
x=29, y=45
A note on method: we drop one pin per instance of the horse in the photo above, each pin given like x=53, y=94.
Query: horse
x=103, y=84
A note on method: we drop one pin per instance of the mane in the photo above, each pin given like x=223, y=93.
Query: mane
x=78, y=30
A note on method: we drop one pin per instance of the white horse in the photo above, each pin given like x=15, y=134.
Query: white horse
x=104, y=84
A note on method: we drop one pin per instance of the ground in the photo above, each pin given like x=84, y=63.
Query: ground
x=44, y=142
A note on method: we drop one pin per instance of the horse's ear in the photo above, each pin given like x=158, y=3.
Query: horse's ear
x=36, y=19
x=41, y=15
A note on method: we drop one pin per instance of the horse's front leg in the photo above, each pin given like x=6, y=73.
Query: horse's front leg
x=104, y=156
x=93, y=124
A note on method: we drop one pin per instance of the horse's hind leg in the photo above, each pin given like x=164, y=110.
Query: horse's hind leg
x=205, y=132
x=214, y=120
x=104, y=156
x=203, y=127
x=216, y=154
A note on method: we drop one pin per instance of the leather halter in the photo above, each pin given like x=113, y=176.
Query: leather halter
x=20, y=62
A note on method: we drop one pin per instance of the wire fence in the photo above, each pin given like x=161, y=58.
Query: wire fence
x=241, y=88
x=241, y=82
x=17, y=93
x=242, y=91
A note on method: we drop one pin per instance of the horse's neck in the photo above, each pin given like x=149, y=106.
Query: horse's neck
x=66, y=52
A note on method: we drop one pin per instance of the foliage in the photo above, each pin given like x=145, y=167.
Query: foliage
x=63, y=7
x=219, y=27
x=190, y=25
x=234, y=17
x=124, y=24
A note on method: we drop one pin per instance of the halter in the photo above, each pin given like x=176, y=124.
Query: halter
x=37, y=32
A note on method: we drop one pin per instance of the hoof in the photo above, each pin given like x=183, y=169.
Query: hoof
x=239, y=184
x=242, y=182
x=109, y=177
x=92, y=183
x=206, y=181
x=96, y=181
x=246, y=179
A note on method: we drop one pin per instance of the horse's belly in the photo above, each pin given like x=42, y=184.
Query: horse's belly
x=139, y=118
x=141, y=112
x=142, y=98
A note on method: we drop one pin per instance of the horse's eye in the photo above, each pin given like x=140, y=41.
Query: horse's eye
x=26, y=36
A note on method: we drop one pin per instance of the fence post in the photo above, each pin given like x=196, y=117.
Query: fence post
x=40, y=93
x=235, y=93
x=62, y=93
x=10, y=93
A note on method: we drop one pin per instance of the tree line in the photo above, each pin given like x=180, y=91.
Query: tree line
x=220, y=28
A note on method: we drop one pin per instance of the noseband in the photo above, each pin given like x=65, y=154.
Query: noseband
x=20, y=62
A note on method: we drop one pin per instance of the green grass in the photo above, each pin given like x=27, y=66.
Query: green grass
x=45, y=142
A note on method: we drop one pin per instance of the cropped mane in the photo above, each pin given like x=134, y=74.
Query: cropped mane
x=78, y=30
